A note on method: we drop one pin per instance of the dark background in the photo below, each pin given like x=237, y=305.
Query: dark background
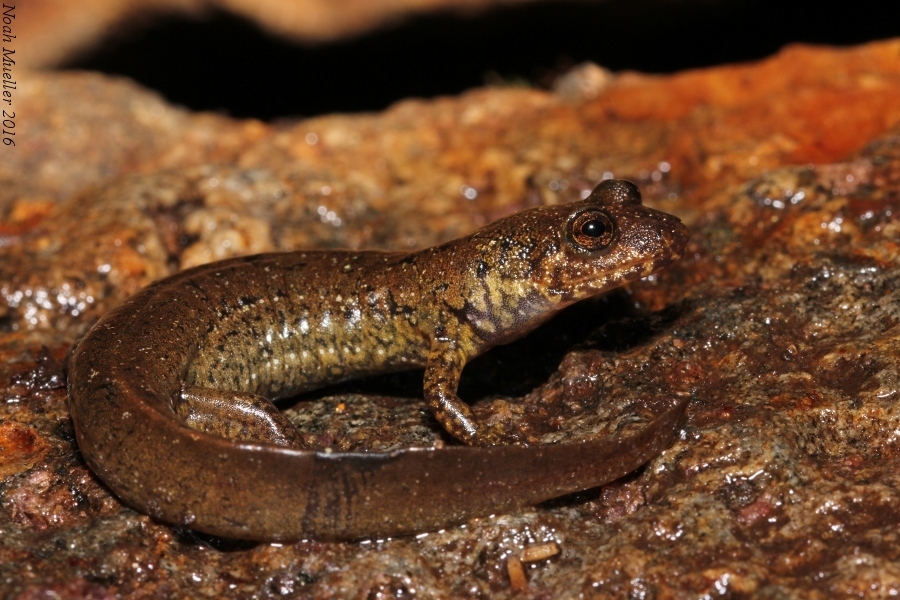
x=222, y=63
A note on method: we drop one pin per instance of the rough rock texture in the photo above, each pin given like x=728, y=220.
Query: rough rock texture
x=782, y=324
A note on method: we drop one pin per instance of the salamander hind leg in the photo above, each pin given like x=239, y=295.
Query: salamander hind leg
x=236, y=416
x=442, y=372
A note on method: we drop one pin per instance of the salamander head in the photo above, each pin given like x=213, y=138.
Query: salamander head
x=606, y=240
x=539, y=260
x=516, y=273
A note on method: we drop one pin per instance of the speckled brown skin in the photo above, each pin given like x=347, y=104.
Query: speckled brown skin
x=169, y=391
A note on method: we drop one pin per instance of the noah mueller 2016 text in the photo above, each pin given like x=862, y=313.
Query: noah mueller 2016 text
x=9, y=81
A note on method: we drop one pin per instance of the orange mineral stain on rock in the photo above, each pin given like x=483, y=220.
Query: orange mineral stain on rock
x=20, y=448
x=804, y=104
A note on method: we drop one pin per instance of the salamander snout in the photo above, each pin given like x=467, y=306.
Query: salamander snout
x=649, y=237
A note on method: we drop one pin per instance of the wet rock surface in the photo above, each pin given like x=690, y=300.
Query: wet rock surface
x=781, y=325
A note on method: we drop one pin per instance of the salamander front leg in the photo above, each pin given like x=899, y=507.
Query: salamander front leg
x=236, y=416
x=442, y=372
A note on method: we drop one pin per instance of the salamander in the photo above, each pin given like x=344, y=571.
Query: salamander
x=171, y=392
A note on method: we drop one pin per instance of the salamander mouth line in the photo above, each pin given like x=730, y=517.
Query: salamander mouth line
x=628, y=272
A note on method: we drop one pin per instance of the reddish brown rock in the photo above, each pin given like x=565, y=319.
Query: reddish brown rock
x=782, y=324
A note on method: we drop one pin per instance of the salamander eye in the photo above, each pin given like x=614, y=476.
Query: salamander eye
x=591, y=230
x=594, y=228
